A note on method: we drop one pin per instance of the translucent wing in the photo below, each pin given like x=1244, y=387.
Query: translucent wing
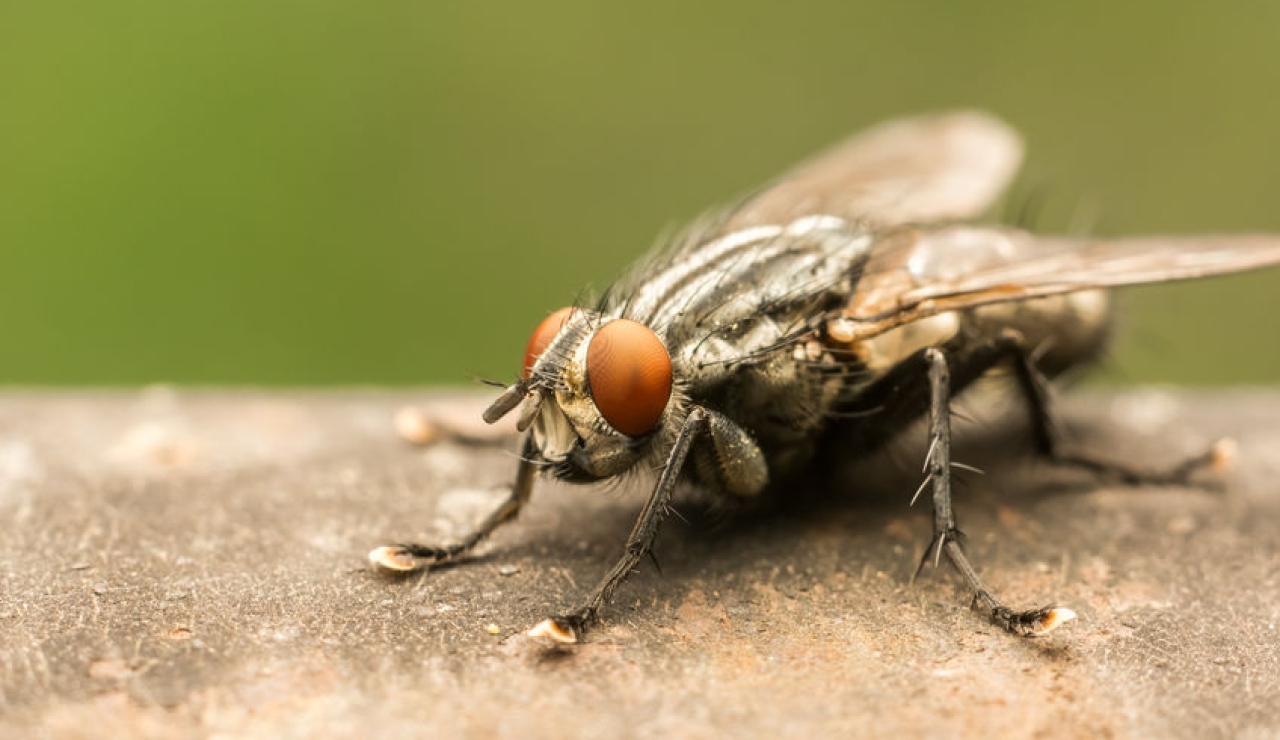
x=917, y=274
x=928, y=169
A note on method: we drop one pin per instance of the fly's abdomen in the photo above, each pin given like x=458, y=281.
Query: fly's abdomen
x=1060, y=331
x=885, y=322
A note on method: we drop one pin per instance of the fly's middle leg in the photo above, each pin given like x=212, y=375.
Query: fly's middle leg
x=946, y=532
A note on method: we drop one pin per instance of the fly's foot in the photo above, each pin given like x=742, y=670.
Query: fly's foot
x=566, y=629
x=1217, y=458
x=410, y=558
x=1030, y=623
x=417, y=426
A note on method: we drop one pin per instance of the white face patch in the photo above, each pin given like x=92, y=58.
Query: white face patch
x=552, y=432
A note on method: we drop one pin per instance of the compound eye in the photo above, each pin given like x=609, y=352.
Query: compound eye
x=543, y=336
x=629, y=371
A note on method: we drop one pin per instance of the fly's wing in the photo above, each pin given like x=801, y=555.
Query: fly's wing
x=928, y=169
x=919, y=274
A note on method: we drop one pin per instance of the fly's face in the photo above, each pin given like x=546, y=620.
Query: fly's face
x=594, y=391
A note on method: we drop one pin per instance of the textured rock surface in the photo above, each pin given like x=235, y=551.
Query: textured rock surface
x=178, y=564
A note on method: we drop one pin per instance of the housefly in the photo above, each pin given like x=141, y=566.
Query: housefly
x=850, y=296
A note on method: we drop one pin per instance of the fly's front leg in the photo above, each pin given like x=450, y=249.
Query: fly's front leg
x=946, y=533
x=411, y=557
x=569, y=628
x=422, y=427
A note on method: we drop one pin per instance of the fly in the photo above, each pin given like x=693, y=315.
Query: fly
x=849, y=295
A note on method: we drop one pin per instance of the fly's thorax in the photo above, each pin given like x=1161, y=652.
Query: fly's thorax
x=599, y=394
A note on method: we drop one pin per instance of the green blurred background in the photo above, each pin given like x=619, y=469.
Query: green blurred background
x=321, y=192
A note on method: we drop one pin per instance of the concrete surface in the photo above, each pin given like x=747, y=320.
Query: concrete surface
x=192, y=564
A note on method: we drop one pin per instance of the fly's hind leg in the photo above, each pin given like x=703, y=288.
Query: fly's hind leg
x=412, y=557
x=1048, y=437
x=946, y=532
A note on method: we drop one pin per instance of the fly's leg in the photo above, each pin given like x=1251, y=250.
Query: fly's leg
x=417, y=426
x=569, y=628
x=1047, y=431
x=411, y=557
x=946, y=533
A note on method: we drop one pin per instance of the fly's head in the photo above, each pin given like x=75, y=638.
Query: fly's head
x=595, y=390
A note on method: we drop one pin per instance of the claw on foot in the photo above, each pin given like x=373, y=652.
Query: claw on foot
x=419, y=427
x=393, y=559
x=416, y=427
x=1036, y=623
x=1223, y=454
x=555, y=631
x=1053, y=619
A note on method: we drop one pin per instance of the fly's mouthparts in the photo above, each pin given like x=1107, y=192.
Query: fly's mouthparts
x=529, y=408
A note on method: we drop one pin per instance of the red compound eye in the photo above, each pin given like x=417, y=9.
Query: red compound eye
x=543, y=335
x=630, y=375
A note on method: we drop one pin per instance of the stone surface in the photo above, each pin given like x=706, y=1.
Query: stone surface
x=180, y=564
